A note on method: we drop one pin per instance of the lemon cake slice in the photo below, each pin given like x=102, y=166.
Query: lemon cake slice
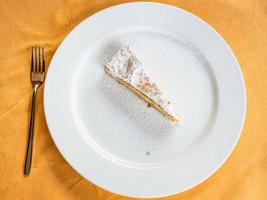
x=126, y=69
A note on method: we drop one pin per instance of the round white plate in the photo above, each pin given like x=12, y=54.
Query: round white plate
x=110, y=136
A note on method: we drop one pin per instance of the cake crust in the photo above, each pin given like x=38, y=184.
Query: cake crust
x=145, y=98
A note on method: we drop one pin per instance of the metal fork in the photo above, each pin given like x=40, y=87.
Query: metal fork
x=37, y=78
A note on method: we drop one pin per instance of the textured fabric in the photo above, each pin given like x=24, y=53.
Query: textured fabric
x=242, y=23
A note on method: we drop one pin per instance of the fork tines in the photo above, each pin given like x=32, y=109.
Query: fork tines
x=37, y=61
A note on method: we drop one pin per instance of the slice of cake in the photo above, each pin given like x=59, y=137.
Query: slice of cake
x=125, y=68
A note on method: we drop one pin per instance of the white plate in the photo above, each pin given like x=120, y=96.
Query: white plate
x=110, y=136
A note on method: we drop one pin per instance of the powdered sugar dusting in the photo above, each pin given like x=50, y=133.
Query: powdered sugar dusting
x=126, y=66
x=112, y=115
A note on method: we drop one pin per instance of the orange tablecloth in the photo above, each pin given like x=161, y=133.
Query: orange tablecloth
x=242, y=23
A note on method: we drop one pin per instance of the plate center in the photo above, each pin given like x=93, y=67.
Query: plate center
x=121, y=124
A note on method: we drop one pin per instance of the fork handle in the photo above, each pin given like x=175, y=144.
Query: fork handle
x=28, y=161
